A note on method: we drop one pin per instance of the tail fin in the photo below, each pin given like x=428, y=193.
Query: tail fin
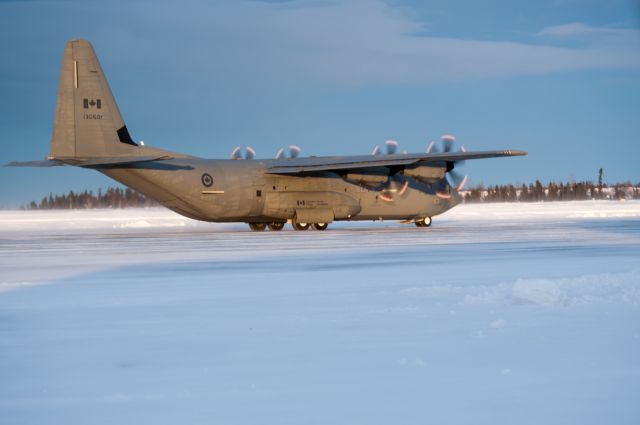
x=87, y=121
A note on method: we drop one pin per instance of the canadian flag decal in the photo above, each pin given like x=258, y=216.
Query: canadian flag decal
x=92, y=103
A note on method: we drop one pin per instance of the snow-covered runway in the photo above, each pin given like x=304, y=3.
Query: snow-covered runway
x=503, y=313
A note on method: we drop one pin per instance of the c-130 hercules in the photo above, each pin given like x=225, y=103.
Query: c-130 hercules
x=89, y=132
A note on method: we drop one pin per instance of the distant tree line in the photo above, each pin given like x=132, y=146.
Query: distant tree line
x=537, y=192
x=113, y=197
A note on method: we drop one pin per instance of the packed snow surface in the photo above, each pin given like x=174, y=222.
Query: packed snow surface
x=499, y=313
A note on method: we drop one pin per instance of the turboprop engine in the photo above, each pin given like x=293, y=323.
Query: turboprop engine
x=370, y=176
x=430, y=172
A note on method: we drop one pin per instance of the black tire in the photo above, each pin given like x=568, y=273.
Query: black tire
x=300, y=226
x=320, y=226
x=423, y=222
x=257, y=227
x=276, y=226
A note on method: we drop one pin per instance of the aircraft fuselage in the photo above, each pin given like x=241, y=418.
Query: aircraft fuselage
x=242, y=190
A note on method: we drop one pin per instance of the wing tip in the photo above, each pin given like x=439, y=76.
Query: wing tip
x=517, y=153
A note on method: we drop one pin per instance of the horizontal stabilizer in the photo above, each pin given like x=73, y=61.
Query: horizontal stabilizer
x=45, y=163
x=116, y=161
x=90, y=162
x=311, y=164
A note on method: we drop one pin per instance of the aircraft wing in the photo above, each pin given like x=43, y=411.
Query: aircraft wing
x=310, y=164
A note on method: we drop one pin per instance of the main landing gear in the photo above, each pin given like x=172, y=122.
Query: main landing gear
x=423, y=222
x=278, y=225
x=260, y=227
x=305, y=226
x=314, y=226
x=300, y=226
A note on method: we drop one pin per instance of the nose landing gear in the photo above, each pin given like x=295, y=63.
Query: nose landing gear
x=423, y=222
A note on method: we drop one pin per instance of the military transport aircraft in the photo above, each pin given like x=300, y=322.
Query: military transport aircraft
x=89, y=132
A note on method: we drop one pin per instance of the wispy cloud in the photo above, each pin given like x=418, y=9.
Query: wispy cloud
x=336, y=42
x=612, y=36
x=362, y=43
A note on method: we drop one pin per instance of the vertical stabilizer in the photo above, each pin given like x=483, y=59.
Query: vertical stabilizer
x=87, y=120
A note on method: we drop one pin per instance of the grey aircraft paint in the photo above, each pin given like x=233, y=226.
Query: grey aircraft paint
x=89, y=132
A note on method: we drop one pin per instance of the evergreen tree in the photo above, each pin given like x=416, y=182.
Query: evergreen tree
x=534, y=192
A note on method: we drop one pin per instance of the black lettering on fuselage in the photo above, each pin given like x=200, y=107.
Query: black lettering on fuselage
x=313, y=203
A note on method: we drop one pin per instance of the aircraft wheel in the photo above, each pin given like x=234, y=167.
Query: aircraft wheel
x=276, y=226
x=257, y=227
x=300, y=226
x=423, y=222
x=320, y=226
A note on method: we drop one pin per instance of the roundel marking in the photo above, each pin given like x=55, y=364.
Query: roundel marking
x=207, y=180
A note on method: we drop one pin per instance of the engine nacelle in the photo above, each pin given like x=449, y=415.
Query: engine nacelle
x=370, y=176
x=426, y=172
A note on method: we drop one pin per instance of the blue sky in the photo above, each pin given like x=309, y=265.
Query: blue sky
x=558, y=78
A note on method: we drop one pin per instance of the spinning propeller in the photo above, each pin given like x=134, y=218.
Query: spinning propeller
x=456, y=180
x=393, y=188
x=391, y=147
x=294, y=151
x=249, y=153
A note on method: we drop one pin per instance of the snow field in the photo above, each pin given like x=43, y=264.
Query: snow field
x=502, y=313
